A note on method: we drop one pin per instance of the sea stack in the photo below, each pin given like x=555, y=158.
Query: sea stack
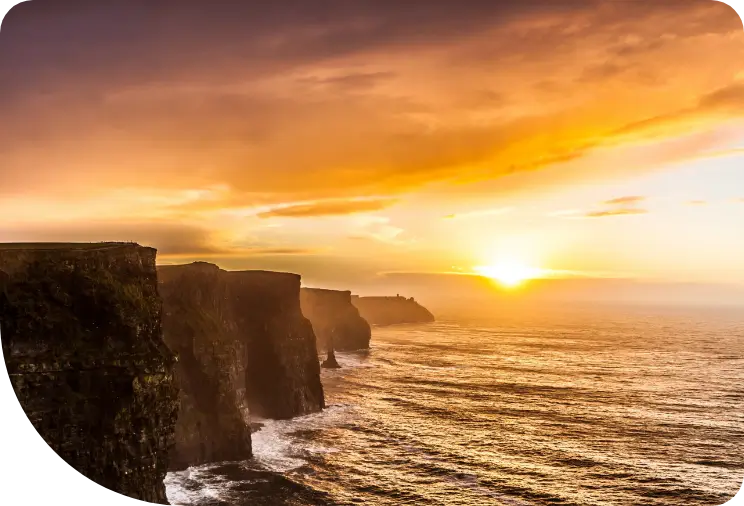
x=200, y=326
x=330, y=362
x=81, y=337
x=391, y=310
x=332, y=314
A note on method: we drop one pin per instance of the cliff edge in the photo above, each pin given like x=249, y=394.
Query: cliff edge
x=244, y=347
x=335, y=319
x=81, y=338
x=199, y=325
x=391, y=310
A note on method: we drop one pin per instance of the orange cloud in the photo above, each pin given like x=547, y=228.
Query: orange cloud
x=324, y=100
x=328, y=208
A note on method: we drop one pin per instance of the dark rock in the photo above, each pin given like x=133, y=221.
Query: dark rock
x=247, y=347
x=81, y=337
x=334, y=317
x=330, y=362
x=200, y=326
x=282, y=373
x=391, y=310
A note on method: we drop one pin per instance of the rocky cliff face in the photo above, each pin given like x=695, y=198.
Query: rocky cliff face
x=244, y=345
x=391, y=310
x=200, y=326
x=81, y=337
x=282, y=371
x=335, y=318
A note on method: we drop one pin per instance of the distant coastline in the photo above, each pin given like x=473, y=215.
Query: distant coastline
x=385, y=311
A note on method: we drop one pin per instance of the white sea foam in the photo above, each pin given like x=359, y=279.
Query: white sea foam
x=278, y=448
x=353, y=360
x=210, y=486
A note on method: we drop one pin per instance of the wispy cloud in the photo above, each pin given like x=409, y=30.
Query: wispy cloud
x=697, y=202
x=334, y=207
x=619, y=206
x=615, y=212
x=629, y=200
x=479, y=213
x=379, y=229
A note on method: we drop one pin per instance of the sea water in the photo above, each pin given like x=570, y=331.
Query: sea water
x=611, y=406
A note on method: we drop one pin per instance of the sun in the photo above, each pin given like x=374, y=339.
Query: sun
x=509, y=274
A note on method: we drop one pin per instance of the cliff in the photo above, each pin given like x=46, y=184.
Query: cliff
x=391, y=310
x=334, y=317
x=199, y=325
x=243, y=346
x=283, y=372
x=81, y=338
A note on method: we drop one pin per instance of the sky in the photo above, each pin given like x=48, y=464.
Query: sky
x=355, y=142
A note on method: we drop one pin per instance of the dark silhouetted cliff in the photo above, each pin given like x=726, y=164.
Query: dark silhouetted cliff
x=334, y=317
x=391, y=310
x=200, y=325
x=81, y=337
x=245, y=343
x=283, y=372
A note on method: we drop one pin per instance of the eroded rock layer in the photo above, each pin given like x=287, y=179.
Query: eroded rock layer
x=391, y=310
x=200, y=326
x=335, y=319
x=81, y=338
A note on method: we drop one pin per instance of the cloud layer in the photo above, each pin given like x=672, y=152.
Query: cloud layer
x=283, y=131
x=306, y=100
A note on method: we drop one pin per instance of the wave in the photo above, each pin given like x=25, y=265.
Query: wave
x=354, y=359
x=277, y=447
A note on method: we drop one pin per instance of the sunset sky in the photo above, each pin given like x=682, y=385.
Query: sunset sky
x=346, y=140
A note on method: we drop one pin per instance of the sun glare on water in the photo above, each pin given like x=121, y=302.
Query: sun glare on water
x=509, y=274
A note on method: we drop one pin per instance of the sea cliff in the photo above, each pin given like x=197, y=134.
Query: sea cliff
x=81, y=338
x=282, y=371
x=391, y=310
x=200, y=326
x=244, y=347
x=335, y=319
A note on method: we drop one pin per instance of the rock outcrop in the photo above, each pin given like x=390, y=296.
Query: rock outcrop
x=81, y=338
x=282, y=372
x=391, y=310
x=244, y=346
x=335, y=318
x=330, y=362
x=200, y=325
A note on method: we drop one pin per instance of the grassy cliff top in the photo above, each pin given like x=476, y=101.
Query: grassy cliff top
x=64, y=245
x=309, y=289
x=212, y=267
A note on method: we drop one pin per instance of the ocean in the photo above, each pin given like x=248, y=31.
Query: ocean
x=581, y=406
